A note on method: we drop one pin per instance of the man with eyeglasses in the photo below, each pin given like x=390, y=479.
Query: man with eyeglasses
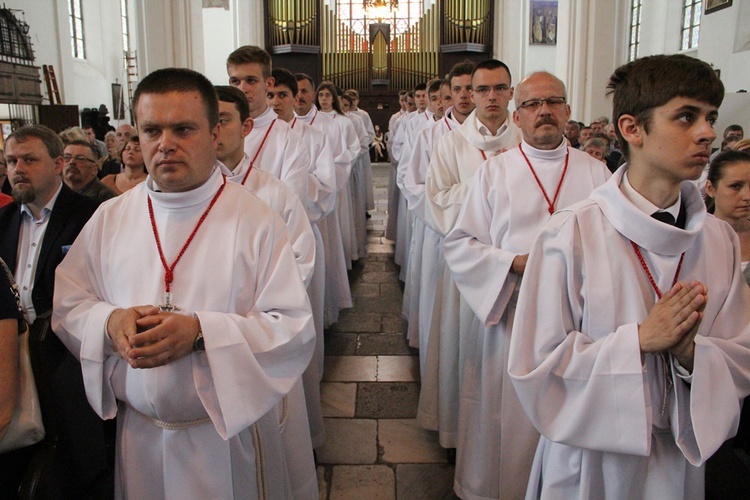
x=80, y=169
x=511, y=198
x=486, y=132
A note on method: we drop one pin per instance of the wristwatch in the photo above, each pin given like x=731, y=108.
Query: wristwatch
x=198, y=344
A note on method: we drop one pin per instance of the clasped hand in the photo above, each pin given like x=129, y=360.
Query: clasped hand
x=146, y=337
x=673, y=322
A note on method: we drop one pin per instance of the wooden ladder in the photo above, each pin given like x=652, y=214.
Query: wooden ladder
x=51, y=80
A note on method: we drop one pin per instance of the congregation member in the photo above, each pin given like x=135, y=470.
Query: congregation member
x=510, y=199
x=572, y=133
x=36, y=231
x=633, y=369
x=584, y=135
x=486, y=132
x=430, y=252
x=133, y=171
x=337, y=292
x=80, y=171
x=99, y=146
x=195, y=377
x=271, y=145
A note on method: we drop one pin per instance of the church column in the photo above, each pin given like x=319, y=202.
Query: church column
x=170, y=33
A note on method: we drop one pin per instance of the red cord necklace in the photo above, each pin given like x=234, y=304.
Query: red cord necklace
x=496, y=153
x=550, y=203
x=294, y=122
x=262, y=143
x=169, y=270
x=648, y=272
x=448, y=124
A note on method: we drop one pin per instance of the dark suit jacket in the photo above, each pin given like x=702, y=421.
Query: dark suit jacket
x=80, y=456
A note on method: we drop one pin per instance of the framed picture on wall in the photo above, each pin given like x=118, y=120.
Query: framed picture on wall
x=543, y=22
x=714, y=5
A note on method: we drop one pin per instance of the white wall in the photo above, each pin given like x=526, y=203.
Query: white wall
x=86, y=83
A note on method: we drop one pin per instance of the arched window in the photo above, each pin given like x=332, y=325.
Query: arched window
x=635, y=30
x=14, y=41
x=355, y=15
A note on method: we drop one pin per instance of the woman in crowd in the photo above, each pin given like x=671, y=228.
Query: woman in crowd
x=133, y=171
x=9, y=318
x=379, y=144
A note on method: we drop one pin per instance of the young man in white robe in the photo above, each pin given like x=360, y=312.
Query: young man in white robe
x=370, y=128
x=413, y=268
x=486, y=132
x=171, y=301
x=358, y=177
x=431, y=251
x=631, y=346
x=337, y=292
x=271, y=145
x=390, y=228
x=503, y=212
x=305, y=421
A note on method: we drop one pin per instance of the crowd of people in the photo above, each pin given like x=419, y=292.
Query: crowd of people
x=574, y=338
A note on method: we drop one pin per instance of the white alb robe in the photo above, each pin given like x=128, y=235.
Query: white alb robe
x=503, y=212
x=391, y=228
x=258, y=340
x=577, y=365
x=303, y=238
x=370, y=128
x=358, y=185
x=282, y=154
x=337, y=291
x=455, y=159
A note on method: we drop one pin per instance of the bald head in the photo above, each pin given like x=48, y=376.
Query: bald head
x=541, y=110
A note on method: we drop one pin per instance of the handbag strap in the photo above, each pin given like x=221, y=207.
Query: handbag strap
x=17, y=294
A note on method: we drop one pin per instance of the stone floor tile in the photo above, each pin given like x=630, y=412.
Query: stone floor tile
x=384, y=305
x=357, y=322
x=377, y=233
x=398, y=369
x=380, y=248
x=349, y=441
x=340, y=344
x=384, y=343
x=391, y=291
x=378, y=257
x=387, y=400
x=394, y=323
x=403, y=441
x=338, y=399
x=421, y=481
x=322, y=483
x=350, y=369
x=380, y=277
x=371, y=482
x=371, y=267
x=366, y=289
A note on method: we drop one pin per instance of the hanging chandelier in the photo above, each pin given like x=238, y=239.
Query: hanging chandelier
x=380, y=9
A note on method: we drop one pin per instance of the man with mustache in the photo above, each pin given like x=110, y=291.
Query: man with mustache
x=80, y=169
x=486, y=132
x=512, y=197
x=36, y=231
x=631, y=344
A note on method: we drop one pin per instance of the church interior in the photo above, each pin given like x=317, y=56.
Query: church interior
x=78, y=62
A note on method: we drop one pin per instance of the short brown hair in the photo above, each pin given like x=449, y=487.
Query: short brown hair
x=248, y=54
x=649, y=82
x=51, y=140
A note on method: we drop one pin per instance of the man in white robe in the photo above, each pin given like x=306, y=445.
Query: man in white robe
x=458, y=86
x=358, y=177
x=390, y=228
x=486, y=251
x=305, y=421
x=195, y=381
x=633, y=365
x=367, y=121
x=486, y=132
x=337, y=292
x=271, y=145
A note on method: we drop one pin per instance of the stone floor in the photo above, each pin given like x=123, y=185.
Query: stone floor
x=374, y=448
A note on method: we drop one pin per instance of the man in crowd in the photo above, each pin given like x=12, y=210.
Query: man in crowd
x=572, y=133
x=486, y=132
x=80, y=169
x=634, y=365
x=512, y=197
x=155, y=345
x=99, y=146
x=36, y=231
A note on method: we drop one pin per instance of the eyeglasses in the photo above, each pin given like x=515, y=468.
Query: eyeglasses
x=534, y=104
x=484, y=90
x=78, y=159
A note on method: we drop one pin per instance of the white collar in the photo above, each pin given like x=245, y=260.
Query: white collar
x=482, y=128
x=186, y=199
x=265, y=119
x=307, y=118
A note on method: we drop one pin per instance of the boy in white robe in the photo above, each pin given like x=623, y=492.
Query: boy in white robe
x=486, y=251
x=631, y=350
x=486, y=132
x=195, y=381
